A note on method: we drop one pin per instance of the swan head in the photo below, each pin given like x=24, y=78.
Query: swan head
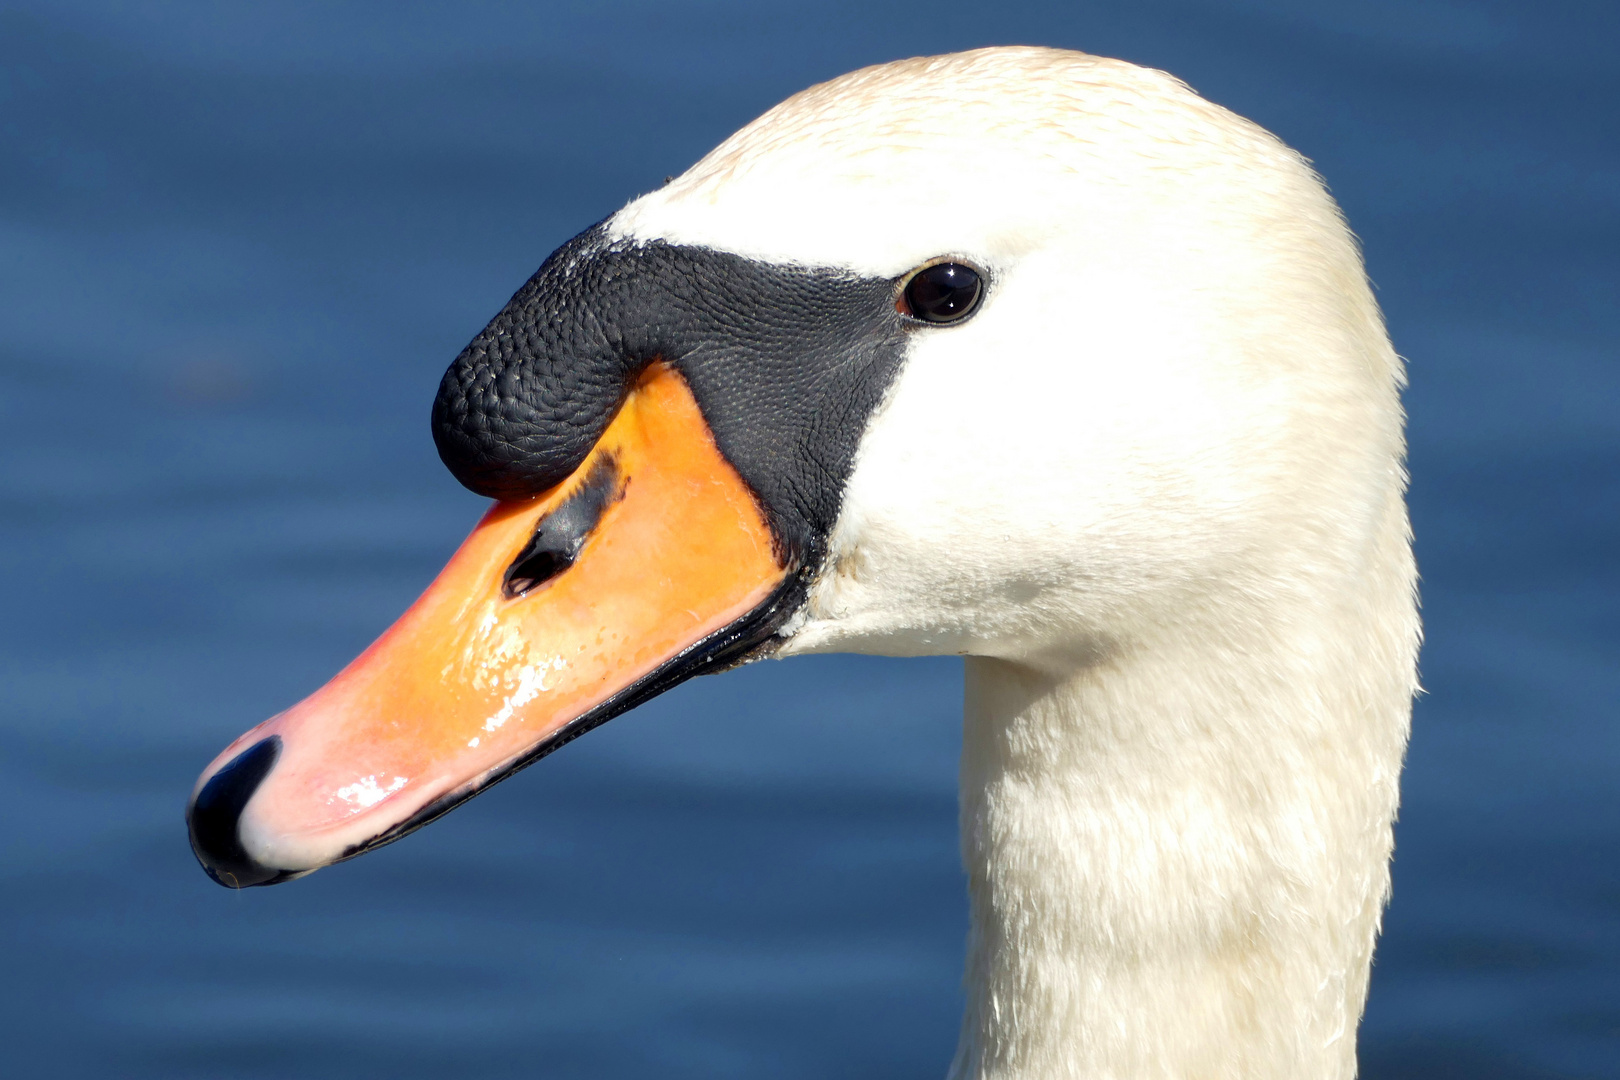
x=718, y=428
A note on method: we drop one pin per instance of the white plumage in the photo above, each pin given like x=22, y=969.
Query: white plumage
x=1153, y=492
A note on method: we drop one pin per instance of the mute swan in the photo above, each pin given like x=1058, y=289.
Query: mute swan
x=1019, y=354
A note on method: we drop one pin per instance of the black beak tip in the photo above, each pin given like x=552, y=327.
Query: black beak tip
x=214, y=815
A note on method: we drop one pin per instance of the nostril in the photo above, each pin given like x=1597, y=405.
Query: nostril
x=538, y=565
x=214, y=815
x=560, y=536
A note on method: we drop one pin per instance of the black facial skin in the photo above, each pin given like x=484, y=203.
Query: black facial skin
x=787, y=365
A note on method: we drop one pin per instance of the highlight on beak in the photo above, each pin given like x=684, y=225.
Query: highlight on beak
x=652, y=563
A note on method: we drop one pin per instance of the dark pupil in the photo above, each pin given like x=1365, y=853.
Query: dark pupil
x=942, y=293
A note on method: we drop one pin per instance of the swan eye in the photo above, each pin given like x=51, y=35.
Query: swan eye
x=945, y=292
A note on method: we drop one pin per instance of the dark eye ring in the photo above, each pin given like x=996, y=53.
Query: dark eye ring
x=942, y=292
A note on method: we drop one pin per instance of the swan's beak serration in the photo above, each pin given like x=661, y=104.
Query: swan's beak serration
x=651, y=563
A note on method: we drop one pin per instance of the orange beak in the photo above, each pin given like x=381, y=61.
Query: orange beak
x=653, y=562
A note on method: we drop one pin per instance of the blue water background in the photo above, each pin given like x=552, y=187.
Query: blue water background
x=238, y=245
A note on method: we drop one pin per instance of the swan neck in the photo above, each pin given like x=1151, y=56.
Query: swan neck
x=1177, y=861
